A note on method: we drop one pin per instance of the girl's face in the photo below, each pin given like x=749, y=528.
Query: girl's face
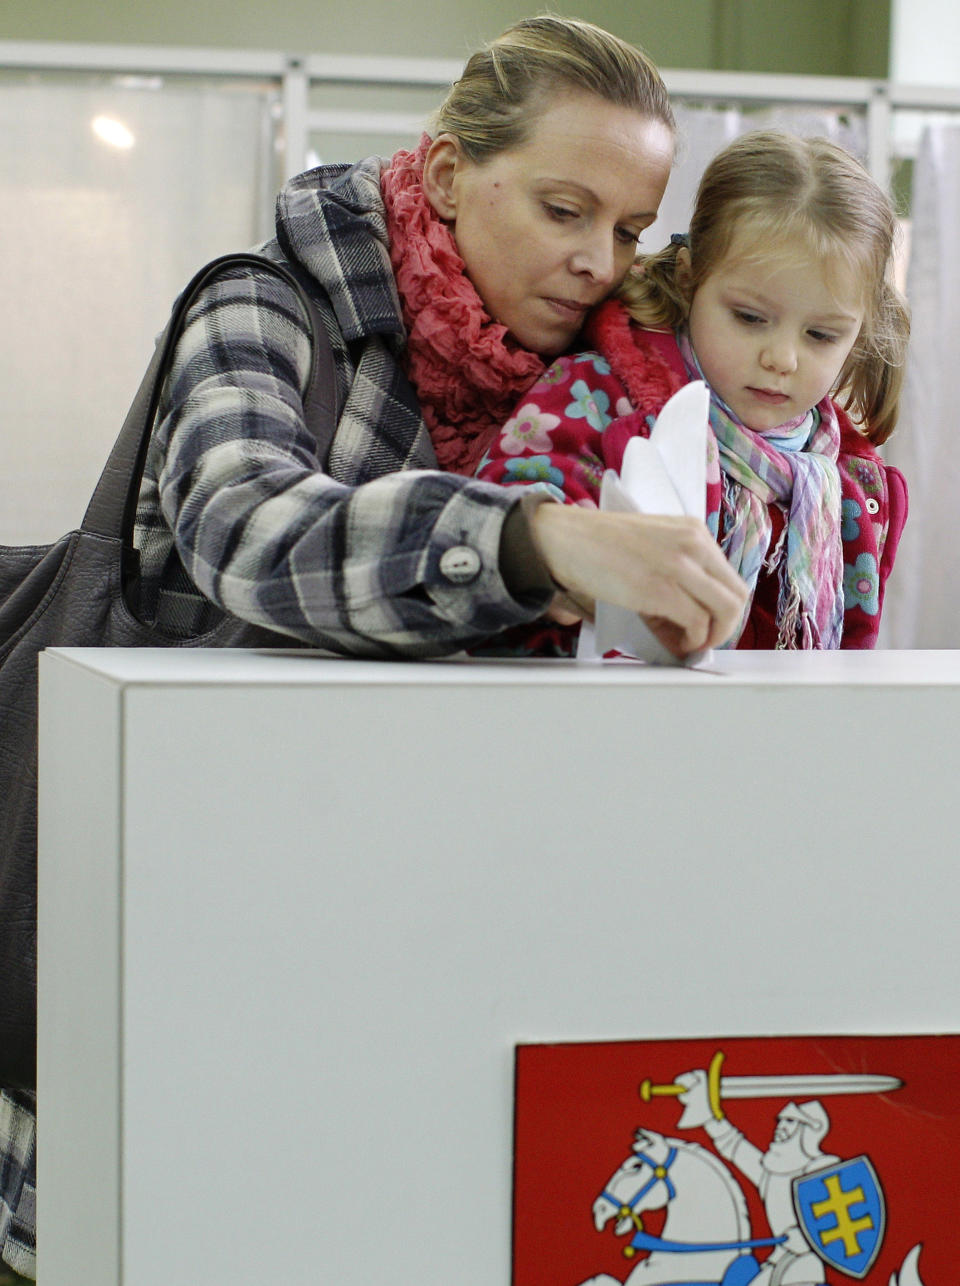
x=549, y=228
x=772, y=336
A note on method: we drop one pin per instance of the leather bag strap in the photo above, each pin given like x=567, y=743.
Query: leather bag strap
x=112, y=508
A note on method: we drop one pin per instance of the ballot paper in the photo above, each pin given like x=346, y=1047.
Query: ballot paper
x=663, y=474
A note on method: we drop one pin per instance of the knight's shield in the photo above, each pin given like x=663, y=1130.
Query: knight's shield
x=841, y=1213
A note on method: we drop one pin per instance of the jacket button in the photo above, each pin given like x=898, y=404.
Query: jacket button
x=460, y=564
x=873, y=506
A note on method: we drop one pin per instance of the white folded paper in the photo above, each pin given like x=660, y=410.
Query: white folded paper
x=663, y=474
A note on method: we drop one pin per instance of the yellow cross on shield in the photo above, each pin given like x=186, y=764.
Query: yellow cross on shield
x=842, y=1214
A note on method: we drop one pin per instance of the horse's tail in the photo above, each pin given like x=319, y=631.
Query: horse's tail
x=909, y=1274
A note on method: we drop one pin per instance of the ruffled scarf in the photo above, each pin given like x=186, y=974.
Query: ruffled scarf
x=467, y=371
x=795, y=466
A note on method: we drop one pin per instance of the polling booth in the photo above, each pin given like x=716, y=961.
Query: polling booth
x=300, y=917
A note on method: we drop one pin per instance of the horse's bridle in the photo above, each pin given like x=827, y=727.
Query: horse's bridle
x=644, y=1241
x=661, y=1174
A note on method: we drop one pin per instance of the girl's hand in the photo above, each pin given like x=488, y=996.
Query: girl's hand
x=669, y=569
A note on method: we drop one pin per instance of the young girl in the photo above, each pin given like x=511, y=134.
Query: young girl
x=781, y=299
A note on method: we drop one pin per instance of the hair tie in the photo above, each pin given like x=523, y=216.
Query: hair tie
x=680, y=239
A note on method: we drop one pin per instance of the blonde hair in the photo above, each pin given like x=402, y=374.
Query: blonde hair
x=811, y=195
x=507, y=84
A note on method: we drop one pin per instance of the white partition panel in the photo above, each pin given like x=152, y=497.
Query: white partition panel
x=113, y=191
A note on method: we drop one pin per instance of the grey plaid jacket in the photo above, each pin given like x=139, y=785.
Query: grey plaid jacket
x=236, y=509
x=18, y=1182
x=372, y=552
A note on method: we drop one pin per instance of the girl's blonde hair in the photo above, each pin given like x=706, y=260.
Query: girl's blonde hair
x=507, y=84
x=787, y=192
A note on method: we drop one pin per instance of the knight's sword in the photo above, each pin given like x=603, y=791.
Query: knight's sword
x=789, y=1086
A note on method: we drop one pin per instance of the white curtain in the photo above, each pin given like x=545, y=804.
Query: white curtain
x=701, y=132
x=97, y=241
x=923, y=603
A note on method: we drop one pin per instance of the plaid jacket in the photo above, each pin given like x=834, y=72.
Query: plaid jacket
x=18, y=1181
x=237, y=510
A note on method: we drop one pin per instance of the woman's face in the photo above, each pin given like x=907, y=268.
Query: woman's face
x=549, y=228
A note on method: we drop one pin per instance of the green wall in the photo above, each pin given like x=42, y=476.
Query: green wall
x=827, y=37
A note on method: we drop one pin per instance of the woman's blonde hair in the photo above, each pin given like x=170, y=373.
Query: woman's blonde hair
x=785, y=192
x=507, y=84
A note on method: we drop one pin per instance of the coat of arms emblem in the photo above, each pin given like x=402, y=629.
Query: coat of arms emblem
x=841, y=1213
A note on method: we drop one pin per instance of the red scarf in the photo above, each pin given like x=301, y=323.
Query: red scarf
x=467, y=371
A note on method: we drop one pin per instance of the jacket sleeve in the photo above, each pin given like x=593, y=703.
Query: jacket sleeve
x=559, y=437
x=406, y=563
x=874, y=511
x=899, y=506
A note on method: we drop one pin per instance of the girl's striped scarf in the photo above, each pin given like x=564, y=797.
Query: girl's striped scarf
x=796, y=467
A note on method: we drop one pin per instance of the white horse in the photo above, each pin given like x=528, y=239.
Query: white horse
x=704, y=1204
x=705, y=1207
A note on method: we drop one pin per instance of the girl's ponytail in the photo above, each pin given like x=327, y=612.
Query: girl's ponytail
x=872, y=382
x=651, y=293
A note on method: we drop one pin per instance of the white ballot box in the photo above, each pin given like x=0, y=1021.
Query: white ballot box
x=295, y=914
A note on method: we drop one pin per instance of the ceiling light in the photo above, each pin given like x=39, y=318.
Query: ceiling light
x=112, y=132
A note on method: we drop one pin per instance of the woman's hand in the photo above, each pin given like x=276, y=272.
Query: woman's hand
x=668, y=569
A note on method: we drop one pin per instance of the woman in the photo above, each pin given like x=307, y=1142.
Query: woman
x=447, y=279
